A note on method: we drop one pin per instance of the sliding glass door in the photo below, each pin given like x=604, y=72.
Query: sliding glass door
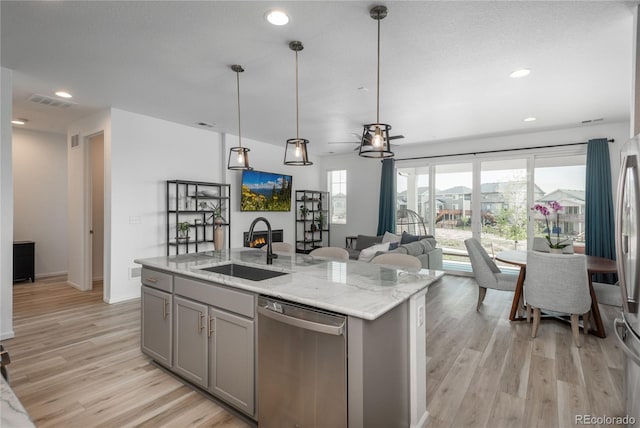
x=503, y=204
x=490, y=198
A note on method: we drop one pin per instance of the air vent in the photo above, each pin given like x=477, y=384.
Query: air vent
x=50, y=101
x=600, y=119
x=205, y=124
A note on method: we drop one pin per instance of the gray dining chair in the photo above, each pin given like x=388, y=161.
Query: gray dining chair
x=486, y=272
x=540, y=244
x=558, y=283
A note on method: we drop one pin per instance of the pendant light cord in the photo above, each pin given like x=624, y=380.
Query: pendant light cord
x=238, y=86
x=378, y=82
x=297, y=114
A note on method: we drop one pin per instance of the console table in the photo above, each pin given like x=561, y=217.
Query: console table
x=23, y=260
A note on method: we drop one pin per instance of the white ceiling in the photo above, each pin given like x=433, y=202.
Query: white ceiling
x=444, y=65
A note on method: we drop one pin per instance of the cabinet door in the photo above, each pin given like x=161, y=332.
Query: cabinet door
x=190, y=341
x=156, y=324
x=231, y=359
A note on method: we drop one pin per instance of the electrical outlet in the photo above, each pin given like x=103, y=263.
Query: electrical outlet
x=420, y=315
x=135, y=272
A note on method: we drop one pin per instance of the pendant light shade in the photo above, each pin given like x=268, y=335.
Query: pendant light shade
x=295, y=153
x=238, y=156
x=375, y=141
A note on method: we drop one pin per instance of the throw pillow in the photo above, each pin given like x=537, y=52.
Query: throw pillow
x=365, y=241
x=390, y=237
x=393, y=245
x=407, y=238
x=368, y=253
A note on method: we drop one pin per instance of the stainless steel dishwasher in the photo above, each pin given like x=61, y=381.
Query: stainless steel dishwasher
x=302, y=366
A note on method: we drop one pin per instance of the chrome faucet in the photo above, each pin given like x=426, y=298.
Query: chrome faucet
x=270, y=255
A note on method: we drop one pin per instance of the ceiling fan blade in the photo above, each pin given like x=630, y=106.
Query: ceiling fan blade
x=396, y=137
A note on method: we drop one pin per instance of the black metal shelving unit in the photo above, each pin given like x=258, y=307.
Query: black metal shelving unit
x=195, y=202
x=312, y=229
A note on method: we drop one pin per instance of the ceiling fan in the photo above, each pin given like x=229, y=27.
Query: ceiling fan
x=358, y=138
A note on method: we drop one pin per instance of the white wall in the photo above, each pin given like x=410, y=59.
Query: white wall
x=363, y=175
x=40, y=195
x=363, y=194
x=269, y=158
x=6, y=208
x=77, y=203
x=97, y=206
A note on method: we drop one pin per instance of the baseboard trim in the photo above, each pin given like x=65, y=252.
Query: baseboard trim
x=50, y=274
x=7, y=335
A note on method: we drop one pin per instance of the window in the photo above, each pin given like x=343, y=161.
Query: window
x=337, y=183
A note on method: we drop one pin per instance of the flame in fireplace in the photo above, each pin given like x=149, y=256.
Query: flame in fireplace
x=257, y=243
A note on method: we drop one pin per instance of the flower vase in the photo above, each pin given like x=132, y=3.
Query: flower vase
x=555, y=250
x=218, y=234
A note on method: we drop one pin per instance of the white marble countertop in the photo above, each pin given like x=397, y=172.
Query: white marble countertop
x=360, y=289
x=12, y=414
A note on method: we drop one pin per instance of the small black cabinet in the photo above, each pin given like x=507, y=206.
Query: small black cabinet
x=23, y=260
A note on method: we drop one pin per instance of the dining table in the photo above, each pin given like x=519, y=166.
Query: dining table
x=595, y=265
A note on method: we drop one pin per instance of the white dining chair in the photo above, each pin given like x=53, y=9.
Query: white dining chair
x=558, y=283
x=398, y=260
x=336, y=253
x=486, y=272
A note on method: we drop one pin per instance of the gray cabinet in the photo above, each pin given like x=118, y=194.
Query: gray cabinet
x=156, y=325
x=203, y=332
x=191, y=353
x=231, y=359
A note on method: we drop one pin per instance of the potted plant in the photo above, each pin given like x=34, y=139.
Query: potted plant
x=183, y=230
x=321, y=220
x=304, y=211
x=546, y=210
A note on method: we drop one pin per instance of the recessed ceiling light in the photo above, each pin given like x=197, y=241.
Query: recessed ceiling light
x=19, y=121
x=520, y=73
x=63, y=94
x=277, y=17
x=529, y=119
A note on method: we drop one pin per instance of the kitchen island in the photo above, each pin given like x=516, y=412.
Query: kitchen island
x=385, y=332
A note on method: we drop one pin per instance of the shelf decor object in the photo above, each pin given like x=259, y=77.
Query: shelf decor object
x=238, y=156
x=198, y=216
x=312, y=226
x=375, y=141
x=295, y=153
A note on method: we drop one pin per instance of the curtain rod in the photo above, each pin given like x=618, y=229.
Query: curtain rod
x=610, y=140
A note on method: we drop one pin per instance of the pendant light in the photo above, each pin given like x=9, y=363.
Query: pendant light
x=296, y=151
x=238, y=156
x=375, y=137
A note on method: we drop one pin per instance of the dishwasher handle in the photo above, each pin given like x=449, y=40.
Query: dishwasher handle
x=334, y=330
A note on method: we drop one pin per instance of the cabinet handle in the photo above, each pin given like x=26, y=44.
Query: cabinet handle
x=211, y=331
x=151, y=279
x=165, y=313
x=200, y=323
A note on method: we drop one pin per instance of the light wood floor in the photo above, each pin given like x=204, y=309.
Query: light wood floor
x=76, y=362
x=484, y=371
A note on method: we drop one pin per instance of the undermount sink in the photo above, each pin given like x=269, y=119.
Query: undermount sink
x=244, y=272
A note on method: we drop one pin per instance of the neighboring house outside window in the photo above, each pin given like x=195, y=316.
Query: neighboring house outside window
x=337, y=184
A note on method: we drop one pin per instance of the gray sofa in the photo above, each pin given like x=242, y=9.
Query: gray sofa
x=424, y=249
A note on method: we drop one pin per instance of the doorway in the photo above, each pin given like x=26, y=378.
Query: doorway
x=95, y=260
